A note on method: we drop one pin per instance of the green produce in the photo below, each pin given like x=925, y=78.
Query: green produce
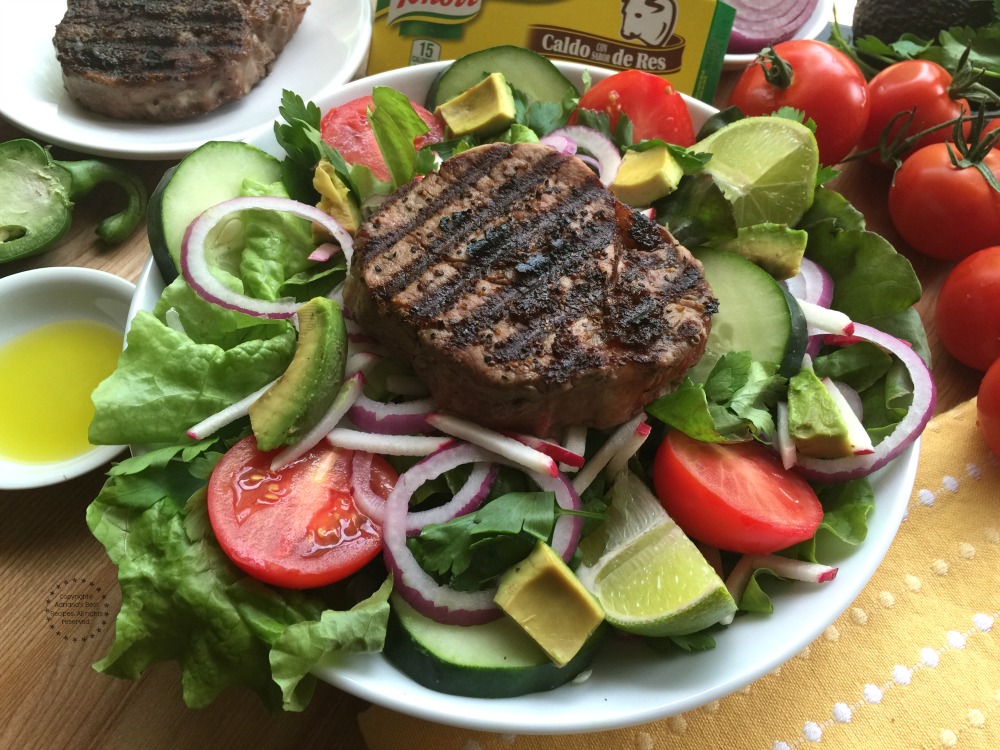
x=38, y=194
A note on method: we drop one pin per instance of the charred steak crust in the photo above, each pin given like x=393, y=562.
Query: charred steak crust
x=526, y=295
x=162, y=60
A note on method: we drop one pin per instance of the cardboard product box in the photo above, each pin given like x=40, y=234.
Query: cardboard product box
x=682, y=40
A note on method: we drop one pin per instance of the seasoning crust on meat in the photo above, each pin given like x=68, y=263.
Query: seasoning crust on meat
x=526, y=295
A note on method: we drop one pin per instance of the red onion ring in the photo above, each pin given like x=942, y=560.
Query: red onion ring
x=609, y=159
x=908, y=429
x=197, y=271
x=405, y=418
x=413, y=583
x=812, y=283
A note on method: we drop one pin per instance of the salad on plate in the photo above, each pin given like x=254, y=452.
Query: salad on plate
x=309, y=496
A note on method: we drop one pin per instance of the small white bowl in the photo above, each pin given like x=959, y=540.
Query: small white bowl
x=48, y=295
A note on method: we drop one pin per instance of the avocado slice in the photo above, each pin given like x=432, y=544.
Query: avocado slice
x=550, y=604
x=646, y=176
x=483, y=109
x=814, y=420
x=774, y=247
x=304, y=393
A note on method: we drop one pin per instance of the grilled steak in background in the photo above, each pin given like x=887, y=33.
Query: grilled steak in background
x=163, y=60
x=526, y=295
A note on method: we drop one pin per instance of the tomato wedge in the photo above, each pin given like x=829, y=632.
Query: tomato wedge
x=346, y=128
x=651, y=104
x=735, y=497
x=298, y=527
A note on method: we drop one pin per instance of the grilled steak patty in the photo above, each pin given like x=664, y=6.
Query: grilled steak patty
x=163, y=60
x=526, y=295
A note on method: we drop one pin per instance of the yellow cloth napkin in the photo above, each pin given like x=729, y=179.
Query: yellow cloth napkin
x=913, y=663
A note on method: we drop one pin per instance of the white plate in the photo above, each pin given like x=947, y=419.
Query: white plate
x=821, y=16
x=328, y=49
x=630, y=684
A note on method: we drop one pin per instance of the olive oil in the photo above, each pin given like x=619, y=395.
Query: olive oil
x=46, y=378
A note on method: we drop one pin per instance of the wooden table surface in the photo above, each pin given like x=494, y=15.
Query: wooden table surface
x=49, y=694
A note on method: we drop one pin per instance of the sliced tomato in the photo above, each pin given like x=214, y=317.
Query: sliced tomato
x=651, y=104
x=346, y=128
x=298, y=527
x=734, y=497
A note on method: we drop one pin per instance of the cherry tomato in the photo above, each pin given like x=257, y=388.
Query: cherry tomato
x=297, y=527
x=988, y=408
x=971, y=292
x=346, y=128
x=734, y=497
x=942, y=210
x=825, y=84
x=918, y=85
x=651, y=104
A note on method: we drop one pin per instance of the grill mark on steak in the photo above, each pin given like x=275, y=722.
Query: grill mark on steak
x=526, y=295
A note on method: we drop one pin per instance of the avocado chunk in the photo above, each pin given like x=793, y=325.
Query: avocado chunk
x=646, y=176
x=774, y=247
x=484, y=109
x=335, y=197
x=304, y=393
x=815, y=423
x=550, y=604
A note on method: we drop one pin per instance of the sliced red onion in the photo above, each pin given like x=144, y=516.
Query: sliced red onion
x=606, y=452
x=349, y=391
x=497, y=442
x=760, y=23
x=172, y=319
x=812, y=283
x=908, y=429
x=368, y=501
x=418, y=587
x=560, y=143
x=324, y=252
x=406, y=418
x=230, y=414
x=197, y=271
x=608, y=157
x=390, y=445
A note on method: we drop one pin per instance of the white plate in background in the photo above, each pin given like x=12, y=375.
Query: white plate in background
x=328, y=49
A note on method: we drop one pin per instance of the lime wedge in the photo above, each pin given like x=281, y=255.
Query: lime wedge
x=765, y=166
x=649, y=577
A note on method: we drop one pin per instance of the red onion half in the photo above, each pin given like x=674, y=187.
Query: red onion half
x=418, y=587
x=197, y=271
x=908, y=429
x=760, y=23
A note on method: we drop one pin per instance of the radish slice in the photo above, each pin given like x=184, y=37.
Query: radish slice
x=575, y=441
x=783, y=441
x=418, y=587
x=196, y=269
x=786, y=567
x=230, y=414
x=606, y=153
x=551, y=449
x=605, y=453
x=857, y=436
x=361, y=362
x=628, y=448
x=406, y=418
x=390, y=445
x=519, y=453
x=826, y=320
x=760, y=23
x=349, y=391
x=908, y=429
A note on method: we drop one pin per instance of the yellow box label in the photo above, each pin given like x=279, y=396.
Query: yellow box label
x=682, y=40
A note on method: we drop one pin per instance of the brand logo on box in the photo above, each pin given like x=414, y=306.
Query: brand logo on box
x=438, y=11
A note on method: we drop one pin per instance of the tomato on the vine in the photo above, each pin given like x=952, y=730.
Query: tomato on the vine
x=967, y=311
x=918, y=85
x=735, y=497
x=988, y=408
x=815, y=78
x=346, y=128
x=942, y=209
x=651, y=104
x=297, y=527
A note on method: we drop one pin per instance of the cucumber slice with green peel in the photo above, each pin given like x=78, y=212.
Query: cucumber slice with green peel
x=212, y=173
x=525, y=70
x=495, y=660
x=756, y=314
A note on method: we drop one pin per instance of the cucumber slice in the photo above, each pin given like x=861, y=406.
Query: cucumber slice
x=756, y=314
x=495, y=660
x=525, y=70
x=210, y=174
